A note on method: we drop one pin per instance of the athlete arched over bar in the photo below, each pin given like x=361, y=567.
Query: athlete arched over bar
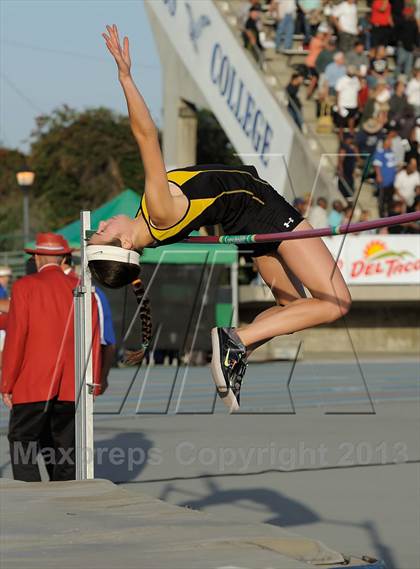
x=182, y=200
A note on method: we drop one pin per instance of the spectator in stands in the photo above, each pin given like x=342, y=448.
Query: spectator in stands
x=397, y=207
x=335, y=217
x=358, y=57
x=385, y=168
x=416, y=196
x=344, y=16
x=368, y=109
x=398, y=104
x=317, y=44
x=413, y=89
x=347, y=89
x=397, y=10
x=347, y=215
x=365, y=216
x=363, y=96
x=406, y=182
x=368, y=137
x=347, y=160
x=318, y=216
x=294, y=104
x=378, y=66
x=246, y=7
x=300, y=205
x=381, y=21
x=414, y=226
x=407, y=38
x=364, y=30
x=382, y=96
x=284, y=11
x=311, y=14
x=5, y=275
x=406, y=122
x=326, y=56
x=413, y=150
x=251, y=35
x=398, y=145
x=334, y=71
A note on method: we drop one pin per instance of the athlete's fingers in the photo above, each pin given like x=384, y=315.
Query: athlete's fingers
x=126, y=48
x=109, y=45
x=111, y=34
x=112, y=44
x=111, y=51
x=116, y=33
x=115, y=37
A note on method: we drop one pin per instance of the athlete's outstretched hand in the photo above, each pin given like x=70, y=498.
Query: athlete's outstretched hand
x=120, y=54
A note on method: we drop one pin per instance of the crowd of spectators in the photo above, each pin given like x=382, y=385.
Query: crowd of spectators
x=362, y=70
x=321, y=214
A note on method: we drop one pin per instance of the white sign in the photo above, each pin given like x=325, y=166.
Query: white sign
x=233, y=88
x=377, y=259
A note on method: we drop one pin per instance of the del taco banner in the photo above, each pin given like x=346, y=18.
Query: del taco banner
x=377, y=259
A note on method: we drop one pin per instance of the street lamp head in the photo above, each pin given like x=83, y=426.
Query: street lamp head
x=25, y=177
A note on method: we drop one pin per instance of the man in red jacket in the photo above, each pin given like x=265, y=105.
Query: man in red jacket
x=37, y=381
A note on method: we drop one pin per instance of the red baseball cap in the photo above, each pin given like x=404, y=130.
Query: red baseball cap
x=50, y=244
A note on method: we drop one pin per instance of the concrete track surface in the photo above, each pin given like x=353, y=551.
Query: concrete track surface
x=327, y=450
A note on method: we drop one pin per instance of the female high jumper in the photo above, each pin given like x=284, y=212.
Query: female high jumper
x=182, y=200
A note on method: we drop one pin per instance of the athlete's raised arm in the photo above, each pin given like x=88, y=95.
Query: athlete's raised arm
x=159, y=200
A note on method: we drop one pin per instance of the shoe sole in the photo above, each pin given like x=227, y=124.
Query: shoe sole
x=219, y=379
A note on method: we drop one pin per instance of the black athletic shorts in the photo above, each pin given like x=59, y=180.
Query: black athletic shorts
x=276, y=217
x=341, y=121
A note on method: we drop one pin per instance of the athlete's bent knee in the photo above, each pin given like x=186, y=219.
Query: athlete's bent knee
x=336, y=310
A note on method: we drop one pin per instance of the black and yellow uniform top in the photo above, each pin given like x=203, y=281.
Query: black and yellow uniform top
x=233, y=196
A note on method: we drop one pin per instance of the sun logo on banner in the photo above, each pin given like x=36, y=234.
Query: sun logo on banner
x=378, y=250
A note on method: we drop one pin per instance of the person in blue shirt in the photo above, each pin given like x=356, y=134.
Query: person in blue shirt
x=107, y=332
x=5, y=274
x=108, y=339
x=335, y=217
x=335, y=71
x=385, y=164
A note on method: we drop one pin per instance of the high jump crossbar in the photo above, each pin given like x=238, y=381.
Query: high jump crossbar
x=308, y=233
x=83, y=360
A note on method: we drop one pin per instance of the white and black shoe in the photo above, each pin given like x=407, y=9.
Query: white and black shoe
x=228, y=365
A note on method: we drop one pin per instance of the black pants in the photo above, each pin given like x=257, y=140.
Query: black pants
x=385, y=200
x=47, y=427
x=380, y=35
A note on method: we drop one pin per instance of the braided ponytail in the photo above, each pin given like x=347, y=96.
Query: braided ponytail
x=136, y=357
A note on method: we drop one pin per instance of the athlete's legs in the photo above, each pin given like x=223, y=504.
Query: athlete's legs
x=311, y=262
x=285, y=287
x=283, y=283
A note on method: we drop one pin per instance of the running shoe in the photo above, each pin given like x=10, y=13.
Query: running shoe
x=228, y=365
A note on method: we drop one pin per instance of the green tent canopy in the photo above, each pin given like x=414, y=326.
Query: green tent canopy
x=127, y=203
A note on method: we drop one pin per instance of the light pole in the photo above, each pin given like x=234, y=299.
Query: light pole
x=25, y=179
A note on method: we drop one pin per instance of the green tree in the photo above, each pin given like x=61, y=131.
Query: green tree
x=81, y=160
x=11, y=161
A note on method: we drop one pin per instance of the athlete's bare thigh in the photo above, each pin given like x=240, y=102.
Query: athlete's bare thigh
x=284, y=285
